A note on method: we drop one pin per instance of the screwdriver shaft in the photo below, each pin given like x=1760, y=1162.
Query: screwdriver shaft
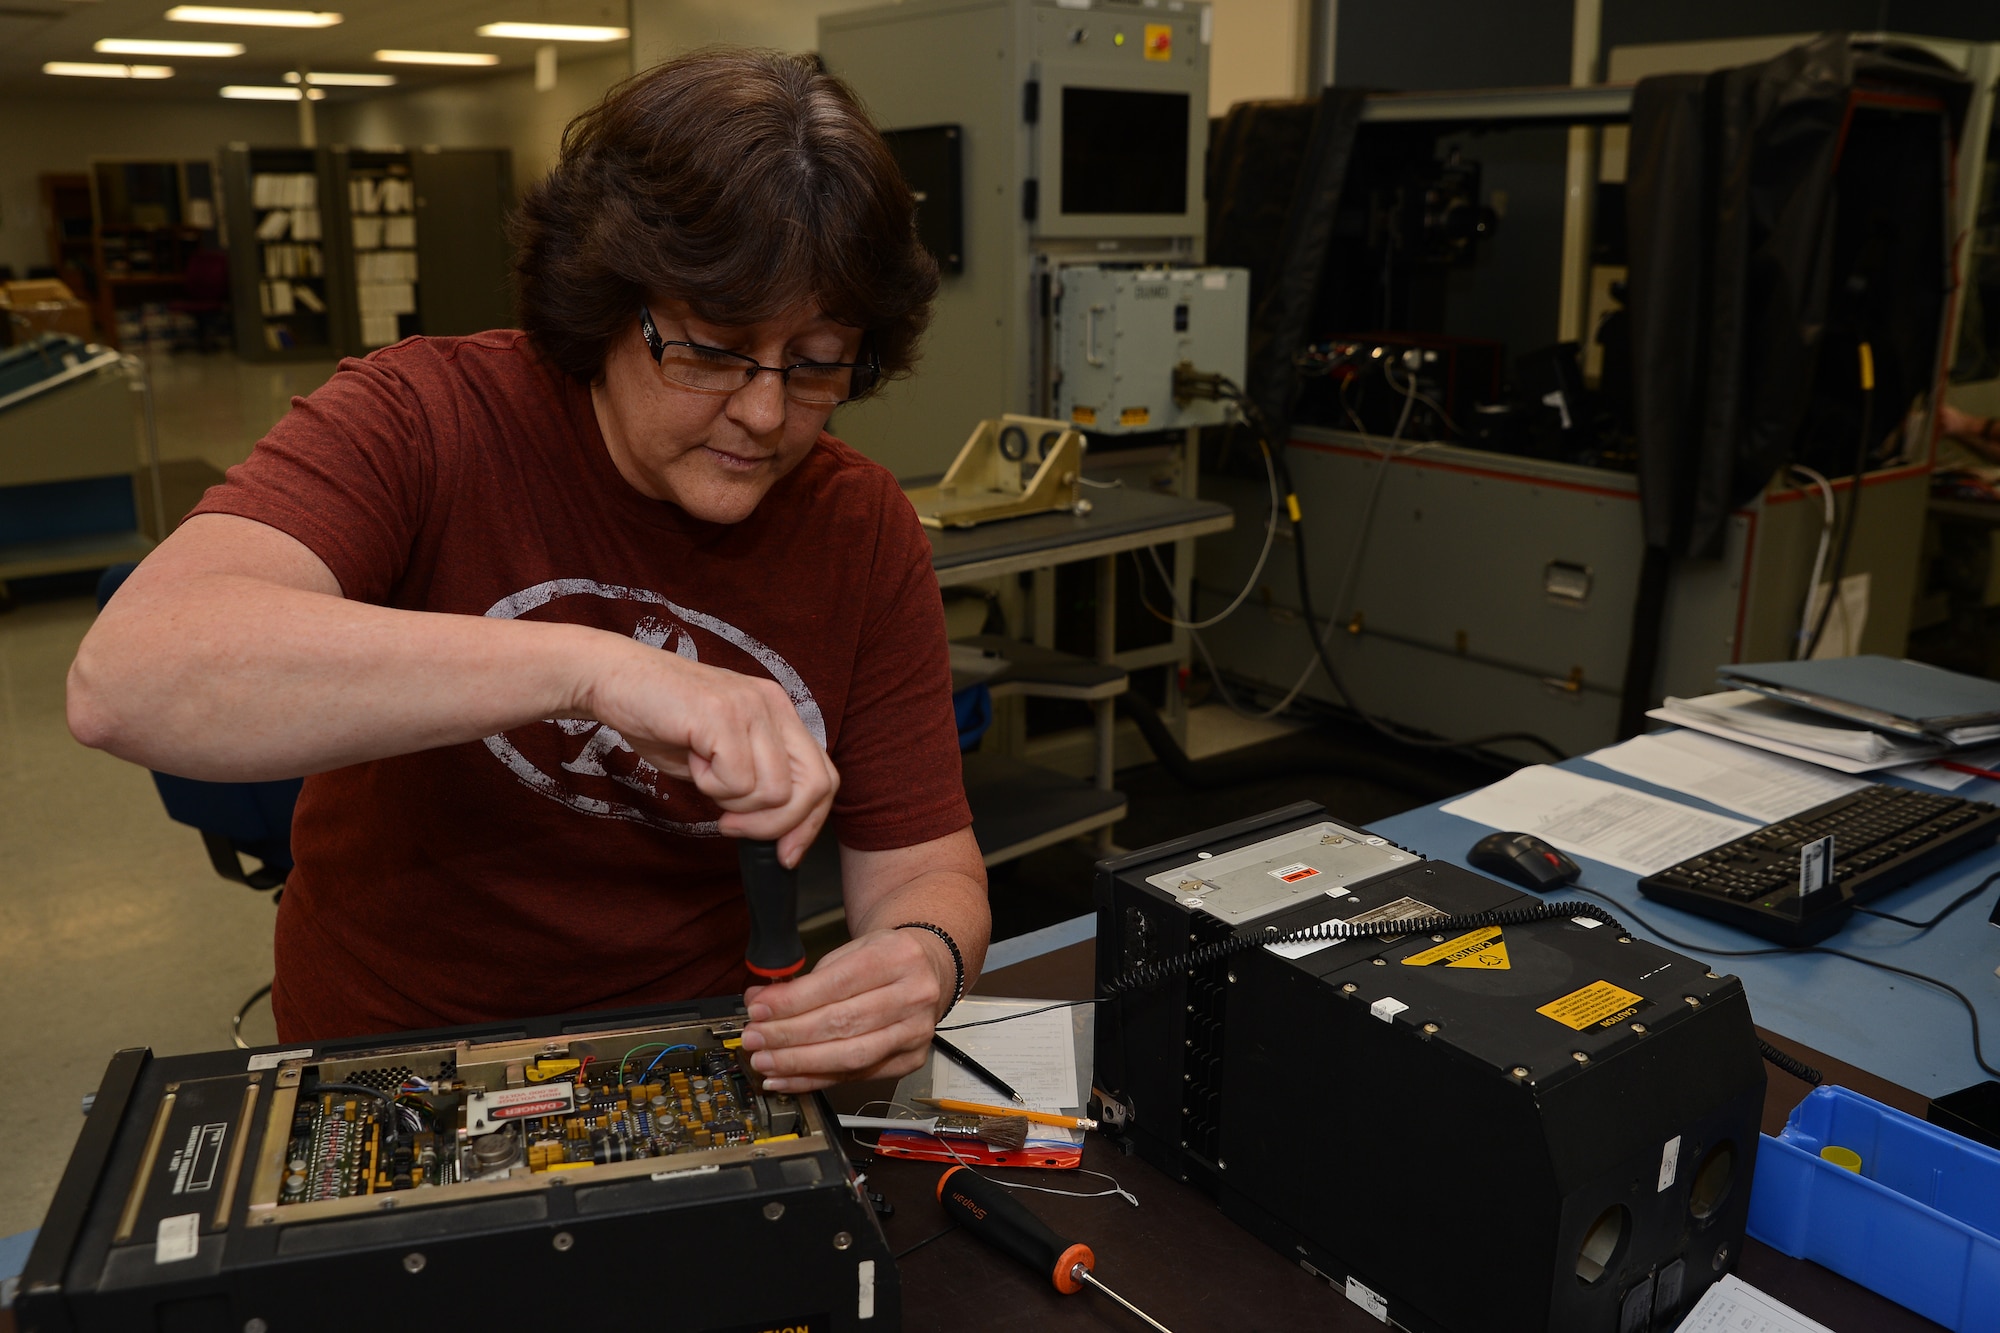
x=1082, y=1274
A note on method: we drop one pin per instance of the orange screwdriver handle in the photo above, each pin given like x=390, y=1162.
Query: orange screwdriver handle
x=998, y=1218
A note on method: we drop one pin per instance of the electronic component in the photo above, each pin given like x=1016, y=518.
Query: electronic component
x=1546, y=1125
x=1118, y=332
x=621, y=1154
x=1883, y=838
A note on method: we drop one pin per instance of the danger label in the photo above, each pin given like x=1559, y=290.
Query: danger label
x=1292, y=874
x=1598, y=1005
x=1482, y=948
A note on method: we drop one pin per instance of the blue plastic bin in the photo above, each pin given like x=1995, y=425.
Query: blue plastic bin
x=1920, y=1224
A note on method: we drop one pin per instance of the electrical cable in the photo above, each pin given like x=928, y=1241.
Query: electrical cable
x=1249, y=584
x=395, y=1119
x=1819, y=560
x=648, y=1071
x=1956, y=903
x=1867, y=355
x=1978, y=1049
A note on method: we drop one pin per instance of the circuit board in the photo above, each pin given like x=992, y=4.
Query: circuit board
x=364, y=1129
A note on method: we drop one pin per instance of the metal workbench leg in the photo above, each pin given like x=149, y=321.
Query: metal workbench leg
x=1106, y=709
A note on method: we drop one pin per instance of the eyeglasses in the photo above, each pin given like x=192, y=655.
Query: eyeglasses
x=702, y=369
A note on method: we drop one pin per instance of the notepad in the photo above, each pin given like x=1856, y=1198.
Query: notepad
x=1036, y=1054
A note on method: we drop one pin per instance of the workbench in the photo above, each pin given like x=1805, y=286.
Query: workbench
x=1018, y=807
x=1179, y=1259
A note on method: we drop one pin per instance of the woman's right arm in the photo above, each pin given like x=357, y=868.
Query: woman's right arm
x=231, y=655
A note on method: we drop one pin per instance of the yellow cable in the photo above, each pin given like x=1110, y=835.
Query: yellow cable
x=1867, y=368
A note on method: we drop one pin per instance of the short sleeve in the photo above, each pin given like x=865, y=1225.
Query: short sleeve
x=349, y=472
x=902, y=781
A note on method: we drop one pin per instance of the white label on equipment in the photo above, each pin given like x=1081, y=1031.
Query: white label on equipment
x=1368, y=1300
x=272, y=1059
x=1815, y=866
x=867, y=1303
x=1293, y=873
x=1214, y=282
x=178, y=1238
x=487, y=1111
x=1337, y=892
x=194, y=1164
x=1670, y=1161
x=686, y=1171
x=1587, y=922
x=1386, y=1009
x=1299, y=948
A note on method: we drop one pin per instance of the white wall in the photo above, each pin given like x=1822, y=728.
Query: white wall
x=62, y=134
x=503, y=111
x=1259, y=52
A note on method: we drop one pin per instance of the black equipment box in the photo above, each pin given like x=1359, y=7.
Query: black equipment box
x=487, y=1175
x=1550, y=1126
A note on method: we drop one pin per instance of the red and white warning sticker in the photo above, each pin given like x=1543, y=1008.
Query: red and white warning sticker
x=487, y=1111
x=1292, y=874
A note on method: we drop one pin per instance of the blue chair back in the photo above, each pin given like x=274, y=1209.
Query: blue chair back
x=251, y=818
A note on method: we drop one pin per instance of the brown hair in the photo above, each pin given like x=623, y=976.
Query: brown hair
x=739, y=182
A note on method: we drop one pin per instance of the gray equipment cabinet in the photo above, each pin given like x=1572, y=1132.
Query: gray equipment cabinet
x=1082, y=134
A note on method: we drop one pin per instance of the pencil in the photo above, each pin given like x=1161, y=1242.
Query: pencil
x=1034, y=1117
x=977, y=1070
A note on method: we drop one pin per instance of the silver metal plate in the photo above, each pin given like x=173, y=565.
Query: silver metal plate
x=1281, y=872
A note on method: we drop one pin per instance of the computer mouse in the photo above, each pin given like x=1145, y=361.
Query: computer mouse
x=1524, y=859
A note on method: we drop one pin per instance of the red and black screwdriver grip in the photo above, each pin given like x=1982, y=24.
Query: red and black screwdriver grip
x=1002, y=1221
x=772, y=891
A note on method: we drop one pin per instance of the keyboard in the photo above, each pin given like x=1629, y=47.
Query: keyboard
x=1883, y=838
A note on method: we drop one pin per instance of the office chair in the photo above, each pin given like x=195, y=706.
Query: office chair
x=235, y=820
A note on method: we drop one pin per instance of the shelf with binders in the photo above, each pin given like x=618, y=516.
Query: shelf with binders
x=284, y=295
x=382, y=233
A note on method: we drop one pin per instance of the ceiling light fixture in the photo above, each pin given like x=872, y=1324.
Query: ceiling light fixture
x=128, y=46
x=90, y=69
x=318, y=80
x=553, y=32
x=255, y=92
x=253, y=18
x=436, y=58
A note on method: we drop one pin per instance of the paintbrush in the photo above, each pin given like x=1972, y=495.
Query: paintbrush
x=1007, y=1132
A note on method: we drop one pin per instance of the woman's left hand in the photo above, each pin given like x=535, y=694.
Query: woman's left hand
x=866, y=1011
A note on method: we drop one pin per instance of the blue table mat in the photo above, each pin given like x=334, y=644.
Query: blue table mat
x=1902, y=1030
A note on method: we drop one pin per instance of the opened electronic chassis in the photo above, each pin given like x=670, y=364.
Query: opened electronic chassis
x=607, y=1164
x=1542, y=1126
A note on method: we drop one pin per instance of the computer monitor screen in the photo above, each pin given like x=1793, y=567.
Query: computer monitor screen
x=1124, y=151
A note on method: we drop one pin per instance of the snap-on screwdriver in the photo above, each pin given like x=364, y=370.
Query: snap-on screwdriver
x=772, y=891
x=988, y=1211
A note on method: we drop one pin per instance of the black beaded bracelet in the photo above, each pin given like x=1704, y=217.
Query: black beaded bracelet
x=957, y=958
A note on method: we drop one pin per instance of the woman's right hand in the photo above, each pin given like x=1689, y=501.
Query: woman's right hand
x=737, y=738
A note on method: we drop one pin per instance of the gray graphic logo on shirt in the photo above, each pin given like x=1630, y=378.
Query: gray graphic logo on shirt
x=595, y=770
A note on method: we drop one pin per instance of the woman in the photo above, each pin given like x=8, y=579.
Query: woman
x=553, y=615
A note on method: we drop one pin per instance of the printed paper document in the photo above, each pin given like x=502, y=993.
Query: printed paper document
x=1763, y=786
x=1584, y=816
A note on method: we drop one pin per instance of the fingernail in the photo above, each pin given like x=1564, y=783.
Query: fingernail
x=763, y=1062
x=760, y=1013
x=776, y=1085
x=753, y=1040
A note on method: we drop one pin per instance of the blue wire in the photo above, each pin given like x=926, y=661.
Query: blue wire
x=647, y=1072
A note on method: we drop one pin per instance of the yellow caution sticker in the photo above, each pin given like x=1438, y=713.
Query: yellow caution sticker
x=1083, y=416
x=1599, y=1005
x=1159, y=41
x=1483, y=948
x=1135, y=416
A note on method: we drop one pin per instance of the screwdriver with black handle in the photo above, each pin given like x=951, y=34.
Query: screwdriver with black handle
x=989, y=1212
x=775, y=951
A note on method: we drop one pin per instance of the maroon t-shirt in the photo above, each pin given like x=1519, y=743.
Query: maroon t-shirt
x=549, y=868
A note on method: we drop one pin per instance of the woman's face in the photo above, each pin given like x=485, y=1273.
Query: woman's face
x=714, y=455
